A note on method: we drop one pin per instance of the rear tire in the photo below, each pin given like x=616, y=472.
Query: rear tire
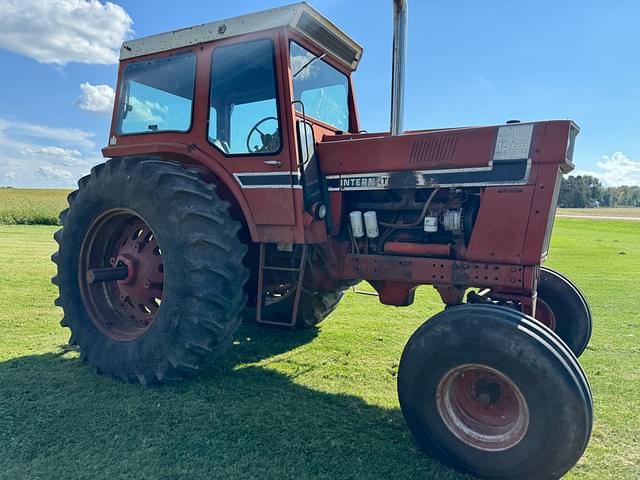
x=563, y=308
x=198, y=285
x=489, y=391
x=314, y=307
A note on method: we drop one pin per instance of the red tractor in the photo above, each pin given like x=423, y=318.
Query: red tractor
x=239, y=185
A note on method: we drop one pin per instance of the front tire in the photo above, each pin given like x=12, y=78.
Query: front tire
x=489, y=391
x=181, y=300
x=562, y=307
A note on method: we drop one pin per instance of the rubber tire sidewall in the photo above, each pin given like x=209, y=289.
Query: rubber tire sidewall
x=119, y=189
x=560, y=415
x=570, y=308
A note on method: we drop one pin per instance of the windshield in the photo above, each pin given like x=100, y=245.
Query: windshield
x=322, y=89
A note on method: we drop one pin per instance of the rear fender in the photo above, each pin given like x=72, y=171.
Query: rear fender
x=212, y=172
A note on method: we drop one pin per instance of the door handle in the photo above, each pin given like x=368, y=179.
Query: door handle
x=274, y=163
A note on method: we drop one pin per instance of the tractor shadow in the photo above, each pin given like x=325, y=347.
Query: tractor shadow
x=238, y=420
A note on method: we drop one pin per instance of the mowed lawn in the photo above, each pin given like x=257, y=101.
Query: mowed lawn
x=629, y=212
x=283, y=404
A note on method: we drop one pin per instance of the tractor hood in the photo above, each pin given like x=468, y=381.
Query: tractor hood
x=477, y=156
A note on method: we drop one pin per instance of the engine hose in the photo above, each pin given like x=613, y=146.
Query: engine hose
x=423, y=213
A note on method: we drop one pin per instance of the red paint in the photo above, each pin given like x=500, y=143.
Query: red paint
x=418, y=249
x=503, y=251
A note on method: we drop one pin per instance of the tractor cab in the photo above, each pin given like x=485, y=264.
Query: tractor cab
x=245, y=98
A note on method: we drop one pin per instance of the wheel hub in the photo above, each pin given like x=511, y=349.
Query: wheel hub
x=482, y=407
x=122, y=308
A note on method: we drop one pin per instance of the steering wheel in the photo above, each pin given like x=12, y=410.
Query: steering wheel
x=266, y=138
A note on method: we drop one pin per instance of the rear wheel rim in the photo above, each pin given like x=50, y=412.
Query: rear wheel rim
x=545, y=315
x=122, y=309
x=278, y=292
x=482, y=407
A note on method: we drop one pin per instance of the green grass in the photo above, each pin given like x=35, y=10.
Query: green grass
x=607, y=212
x=283, y=404
x=31, y=206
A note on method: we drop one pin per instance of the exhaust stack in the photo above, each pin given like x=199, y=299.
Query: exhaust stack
x=400, y=16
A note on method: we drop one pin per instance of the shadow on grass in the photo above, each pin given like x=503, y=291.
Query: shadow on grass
x=58, y=420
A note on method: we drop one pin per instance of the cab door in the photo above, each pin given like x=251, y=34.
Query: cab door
x=247, y=129
x=320, y=94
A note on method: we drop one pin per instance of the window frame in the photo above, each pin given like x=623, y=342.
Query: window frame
x=123, y=87
x=328, y=61
x=277, y=99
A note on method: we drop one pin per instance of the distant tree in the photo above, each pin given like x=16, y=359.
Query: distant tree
x=580, y=191
x=607, y=199
x=587, y=191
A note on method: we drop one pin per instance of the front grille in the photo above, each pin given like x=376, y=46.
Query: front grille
x=313, y=29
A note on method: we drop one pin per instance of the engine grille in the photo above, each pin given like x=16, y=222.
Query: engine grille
x=433, y=150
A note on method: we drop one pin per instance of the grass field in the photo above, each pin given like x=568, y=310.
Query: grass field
x=31, y=206
x=283, y=404
x=42, y=206
x=601, y=212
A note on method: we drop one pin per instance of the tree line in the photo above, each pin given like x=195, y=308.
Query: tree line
x=586, y=191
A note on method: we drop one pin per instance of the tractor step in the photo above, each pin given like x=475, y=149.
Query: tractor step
x=291, y=322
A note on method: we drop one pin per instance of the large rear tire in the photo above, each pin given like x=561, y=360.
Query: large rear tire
x=313, y=308
x=490, y=391
x=562, y=307
x=172, y=236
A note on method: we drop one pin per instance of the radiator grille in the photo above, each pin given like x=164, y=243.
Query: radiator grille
x=321, y=35
x=433, y=150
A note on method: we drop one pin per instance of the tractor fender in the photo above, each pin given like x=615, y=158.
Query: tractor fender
x=191, y=156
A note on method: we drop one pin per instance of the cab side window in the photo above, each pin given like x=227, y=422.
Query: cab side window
x=243, y=113
x=157, y=95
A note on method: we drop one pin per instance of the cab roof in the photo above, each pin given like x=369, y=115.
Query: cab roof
x=300, y=17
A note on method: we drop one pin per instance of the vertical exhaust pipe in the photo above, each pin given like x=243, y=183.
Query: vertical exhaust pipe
x=400, y=18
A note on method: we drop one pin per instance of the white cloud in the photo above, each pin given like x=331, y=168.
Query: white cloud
x=57, y=155
x=33, y=155
x=96, y=98
x=68, y=136
x=146, y=111
x=615, y=170
x=618, y=169
x=55, y=176
x=63, y=31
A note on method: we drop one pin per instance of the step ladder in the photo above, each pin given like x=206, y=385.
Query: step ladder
x=296, y=302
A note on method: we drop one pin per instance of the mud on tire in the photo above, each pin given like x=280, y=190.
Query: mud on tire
x=202, y=292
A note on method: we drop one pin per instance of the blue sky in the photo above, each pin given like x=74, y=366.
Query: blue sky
x=469, y=63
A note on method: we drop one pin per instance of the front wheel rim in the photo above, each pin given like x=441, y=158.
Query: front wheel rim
x=126, y=308
x=545, y=315
x=482, y=407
